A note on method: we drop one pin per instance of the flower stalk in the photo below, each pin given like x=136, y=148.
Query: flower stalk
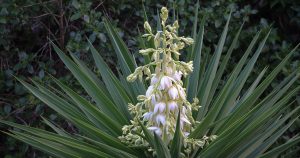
x=165, y=98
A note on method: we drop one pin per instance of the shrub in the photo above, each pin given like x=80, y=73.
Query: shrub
x=234, y=120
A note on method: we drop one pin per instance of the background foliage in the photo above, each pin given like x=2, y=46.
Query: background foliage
x=26, y=26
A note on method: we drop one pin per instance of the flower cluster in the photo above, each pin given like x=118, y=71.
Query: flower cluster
x=165, y=98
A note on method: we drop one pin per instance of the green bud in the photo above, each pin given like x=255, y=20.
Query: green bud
x=188, y=40
x=141, y=97
x=132, y=77
x=146, y=51
x=147, y=71
x=164, y=14
x=157, y=40
x=147, y=27
x=175, y=25
x=181, y=45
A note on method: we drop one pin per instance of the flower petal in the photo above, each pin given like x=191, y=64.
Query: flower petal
x=172, y=105
x=160, y=119
x=159, y=107
x=154, y=80
x=165, y=83
x=149, y=91
x=173, y=93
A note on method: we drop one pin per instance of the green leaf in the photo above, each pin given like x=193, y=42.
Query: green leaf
x=193, y=80
x=211, y=73
x=161, y=148
x=224, y=63
x=243, y=107
x=241, y=79
x=276, y=151
x=177, y=140
x=55, y=128
x=94, y=114
x=115, y=88
x=99, y=96
x=127, y=63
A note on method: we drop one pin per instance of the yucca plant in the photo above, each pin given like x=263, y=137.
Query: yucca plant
x=167, y=115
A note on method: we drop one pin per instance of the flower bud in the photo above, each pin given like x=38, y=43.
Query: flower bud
x=164, y=14
x=188, y=40
x=175, y=25
x=131, y=77
x=182, y=93
x=147, y=71
x=157, y=40
x=146, y=51
x=147, y=27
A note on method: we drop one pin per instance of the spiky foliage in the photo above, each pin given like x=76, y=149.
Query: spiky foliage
x=245, y=122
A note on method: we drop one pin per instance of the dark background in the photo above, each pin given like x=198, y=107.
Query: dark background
x=27, y=25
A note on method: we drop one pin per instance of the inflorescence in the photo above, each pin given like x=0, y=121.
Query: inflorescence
x=165, y=98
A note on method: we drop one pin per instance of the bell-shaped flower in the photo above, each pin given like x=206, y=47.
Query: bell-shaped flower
x=154, y=80
x=161, y=106
x=177, y=75
x=183, y=118
x=155, y=129
x=172, y=105
x=165, y=83
x=153, y=99
x=149, y=91
x=160, y=119
x=148, y=115
x=173, y=92
x=186, y=134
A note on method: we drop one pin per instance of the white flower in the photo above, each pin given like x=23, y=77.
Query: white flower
x=159, y=107
x=154, y=80
x=173, y=93
x=177, y=75
x=148, y=115
x=165, y=83
x=156, y=98
x=184, y=119
x=149, y=91
x=153, y=99
x=183, y=110
x=160, y=119
x=172, y=105
x=155, y=129
x=186, y=134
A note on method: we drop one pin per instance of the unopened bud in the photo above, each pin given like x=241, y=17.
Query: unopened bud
x=146, y=51
x=188, y=40
x=164, y=14
x=147, y=71
x=157, y=40
x=147, y=27
x=131, y=77
x=175, y=25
